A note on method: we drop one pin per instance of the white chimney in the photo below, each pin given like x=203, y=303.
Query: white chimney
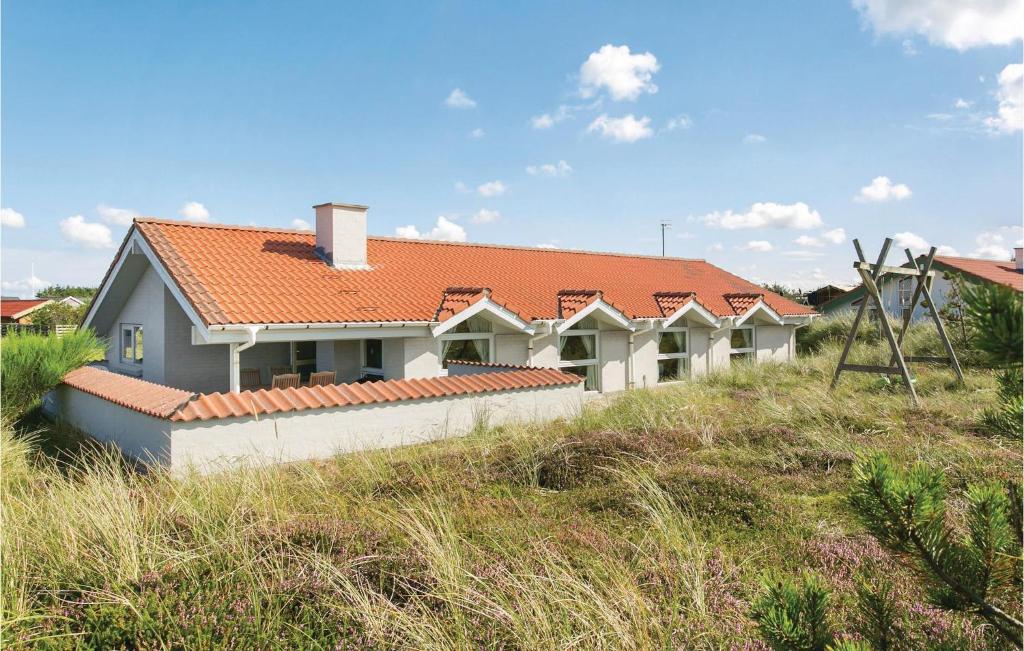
x=341, y=234
x=1018, y=258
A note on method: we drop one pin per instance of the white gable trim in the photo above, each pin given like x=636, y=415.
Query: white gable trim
x=485, y=304
x=759, y=308
x=698, y=310
x=604, y=308
x=135, y=243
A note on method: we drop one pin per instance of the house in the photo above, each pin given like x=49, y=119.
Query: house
x=19, y=310
x=898, y=291
x=824, y=294
x=210, y=301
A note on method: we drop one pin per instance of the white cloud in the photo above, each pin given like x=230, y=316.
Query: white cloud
x=882, y=189
x=716, y=247
x=760, y=246
x=477, y=134
x=11, y=218
x=301, y=225
x=491, y=189
x=546, y=245
x=951, y=23
x=834, y=236
x=679, y=122
x=25, y=287
x=765, y=215
x=484, y=216
x=624, y=129
x=625, y=76
x=460, y=100
x=754, y=139
x=803, y=254
x=912, y=241
x=909, y=48
x=462, y=187
x=544, y=121
x=808, y=240
x=997, y=244
x=89, y=234
x=945, y=249
x=116, y=216
x=194, y=211
x=444, y=229
x=961, y=103
x=1011, y=100
x=561, y=168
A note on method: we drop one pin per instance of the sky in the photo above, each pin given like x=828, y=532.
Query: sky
x=768, y=134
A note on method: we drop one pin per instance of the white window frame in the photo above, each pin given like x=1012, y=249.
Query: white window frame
x=365, y=370
x=595, y=361
x=752, y=350
x=462, y=336
x=685, y=356
x=135, y=328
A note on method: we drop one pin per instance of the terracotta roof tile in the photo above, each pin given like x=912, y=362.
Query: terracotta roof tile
x=11, y=306
x=145, y=397
x=246, y=403
x=995, y=271
x=669, y=302
x=239, y=275
x=456, y=299
x=741, y=302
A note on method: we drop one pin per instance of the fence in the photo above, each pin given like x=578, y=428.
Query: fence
x=39, y=329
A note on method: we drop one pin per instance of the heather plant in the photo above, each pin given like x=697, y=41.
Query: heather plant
x=642, y=523
x=970, y=569
x=32, y=364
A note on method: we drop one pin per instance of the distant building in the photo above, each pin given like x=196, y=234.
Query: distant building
x=825, y=294
x=19, y=310
x=897, y=291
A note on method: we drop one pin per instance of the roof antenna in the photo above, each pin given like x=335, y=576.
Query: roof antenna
x=665, y=224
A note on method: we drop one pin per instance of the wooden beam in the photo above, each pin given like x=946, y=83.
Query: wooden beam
x=860, y=310
x=870, y=368
x=886, y=269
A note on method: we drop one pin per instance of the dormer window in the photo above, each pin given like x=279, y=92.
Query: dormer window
x=577, y=352
x=470, y=341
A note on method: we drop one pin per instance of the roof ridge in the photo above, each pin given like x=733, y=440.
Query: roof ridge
x=393, y=238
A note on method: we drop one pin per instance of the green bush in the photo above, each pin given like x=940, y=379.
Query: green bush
x=31, y=365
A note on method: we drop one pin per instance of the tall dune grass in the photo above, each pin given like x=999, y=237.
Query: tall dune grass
x=646, y=523
x=32, y=364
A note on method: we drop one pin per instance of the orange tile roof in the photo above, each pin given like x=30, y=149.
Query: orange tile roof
x=740, y=303
x=456, y=299
x=146, y=397
x=995, y=271
x=11, y=306
x=183, y=406
x=669, y=302
x=243, y=275
x=571, y=301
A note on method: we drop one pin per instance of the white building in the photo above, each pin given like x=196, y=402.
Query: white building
x=215, y=308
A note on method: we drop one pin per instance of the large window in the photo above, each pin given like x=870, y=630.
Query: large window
x=131, y=343
x=577, y=352
x=742, y=344
x=906, y=290
x=470, y=341
x=373, y=359
x=673, y=359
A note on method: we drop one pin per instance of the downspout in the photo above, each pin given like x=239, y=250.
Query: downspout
x=235, y=363
x=630, y=362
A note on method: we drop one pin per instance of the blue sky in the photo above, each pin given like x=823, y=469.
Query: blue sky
x=752, y=126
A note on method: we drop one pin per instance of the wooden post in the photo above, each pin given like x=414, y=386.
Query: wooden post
x=870, y=275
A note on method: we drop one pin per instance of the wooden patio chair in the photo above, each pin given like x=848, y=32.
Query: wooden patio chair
x=321, y=378
x=285, y=381
x=280, y=370
x=249, y=378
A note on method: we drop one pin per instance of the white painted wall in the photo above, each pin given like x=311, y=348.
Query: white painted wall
x=344, y=357
x=511, y=349
x=614, y=349
x=264, y=356
x=545, y=351
x=322, y=433
x=773, y=343
x=645, y=359
x=700, y=351
x=138, y=435
x=421, y=357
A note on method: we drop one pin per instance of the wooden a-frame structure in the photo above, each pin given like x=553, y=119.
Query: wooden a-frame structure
x=870, y=273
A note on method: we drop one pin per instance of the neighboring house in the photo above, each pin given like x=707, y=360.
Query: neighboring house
x=898, y=291
x=824, y=294
x=19, y=310
x=72, y=301
x=211, y=300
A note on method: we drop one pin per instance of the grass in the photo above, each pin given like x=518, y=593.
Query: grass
x=648, y=523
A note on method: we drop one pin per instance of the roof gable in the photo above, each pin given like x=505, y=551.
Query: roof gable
x=239, y=275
